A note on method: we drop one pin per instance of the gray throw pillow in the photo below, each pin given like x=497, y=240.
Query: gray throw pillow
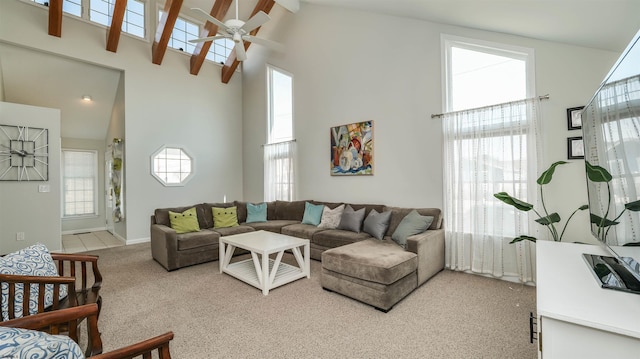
x=376, y=224
x=412, y=223
x=351, y=220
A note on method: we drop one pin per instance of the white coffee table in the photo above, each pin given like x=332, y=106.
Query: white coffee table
x=260, y=271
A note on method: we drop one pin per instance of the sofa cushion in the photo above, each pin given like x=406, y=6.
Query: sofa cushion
x=412, y=223
x=312, y=213
x=376, y=224
x=224, y=217
x=291, y=210
x=300, y=230
x=205, y=237
x=184, y=222
x=162, y=216
x=271, y=226
x=336, y=237
x=256, y=212
x=351, y=220
x=331, y=217
x=397, y=214
x=371, y=260
x=207, y=212
x=228, y=231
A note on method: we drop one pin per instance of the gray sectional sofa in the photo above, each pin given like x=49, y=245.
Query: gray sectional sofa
x=377, y=272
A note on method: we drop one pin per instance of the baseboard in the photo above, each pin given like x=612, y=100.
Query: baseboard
x=138, y=240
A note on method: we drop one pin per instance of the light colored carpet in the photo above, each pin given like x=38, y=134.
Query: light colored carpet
x=213, y=315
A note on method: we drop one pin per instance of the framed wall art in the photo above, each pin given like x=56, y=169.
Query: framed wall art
x=574, y=118
x=352, y=149
x=575, y=148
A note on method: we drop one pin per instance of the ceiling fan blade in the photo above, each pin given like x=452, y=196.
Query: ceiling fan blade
x=256, y=21
x=264, y=42
x=209, y=38
x=291, y=5
x=211, y=19
x=241, y=54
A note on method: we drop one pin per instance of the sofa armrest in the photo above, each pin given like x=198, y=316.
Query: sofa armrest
x=164, y=245
x=429, y=246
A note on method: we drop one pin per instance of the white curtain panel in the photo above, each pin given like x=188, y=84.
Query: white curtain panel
x=489, y=150
x=617, y=136
x=279, y=171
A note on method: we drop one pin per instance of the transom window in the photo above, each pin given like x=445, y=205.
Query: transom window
x=101, y=12
x=73, y=7
x=171, y=166
x=80, y=182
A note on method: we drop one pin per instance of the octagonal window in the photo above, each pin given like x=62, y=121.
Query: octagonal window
x=172, y=166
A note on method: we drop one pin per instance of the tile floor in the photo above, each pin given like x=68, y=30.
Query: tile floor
x=82, y=242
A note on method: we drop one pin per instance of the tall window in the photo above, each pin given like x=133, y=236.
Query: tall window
x=279, y=152
x=101, y=12
x=80, y=183
x=490, y=146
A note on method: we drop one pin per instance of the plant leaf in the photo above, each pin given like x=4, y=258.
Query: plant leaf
x=523, y=238
x=602, y=222
x=552, y=218
x=633, y=206
x=597, y=173
x=583, y=207
x=506, y=198
x=547, y=175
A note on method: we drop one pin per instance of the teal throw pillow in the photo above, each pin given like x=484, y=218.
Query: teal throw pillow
x=256, y=212
x=412, y=223
x=312, y=214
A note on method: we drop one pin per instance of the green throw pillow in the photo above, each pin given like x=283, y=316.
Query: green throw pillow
x=225, y=217
x=184, y=222
x=312, y=214
x=256, y=212
x=412, y=223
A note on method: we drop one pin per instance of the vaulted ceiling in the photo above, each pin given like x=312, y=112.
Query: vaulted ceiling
x=576, y=22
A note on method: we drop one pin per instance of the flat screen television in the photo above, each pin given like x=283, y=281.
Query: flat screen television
x=611, y=138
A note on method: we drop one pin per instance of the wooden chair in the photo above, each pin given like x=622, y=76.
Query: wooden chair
x=78, y=271
x=52, y=322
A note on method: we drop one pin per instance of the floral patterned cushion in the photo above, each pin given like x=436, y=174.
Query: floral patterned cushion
x=35, y=261
x=24, y=343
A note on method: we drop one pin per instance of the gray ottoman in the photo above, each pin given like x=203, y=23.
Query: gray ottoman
x=378, y=273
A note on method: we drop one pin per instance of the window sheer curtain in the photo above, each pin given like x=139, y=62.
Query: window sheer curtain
x=279, y=171
x=617, y=136
x=489, y=150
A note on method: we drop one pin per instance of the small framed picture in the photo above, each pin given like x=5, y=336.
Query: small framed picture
x=575, y=148
x=574, y=118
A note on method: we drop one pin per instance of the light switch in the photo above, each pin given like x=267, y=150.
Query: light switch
x=43, y=188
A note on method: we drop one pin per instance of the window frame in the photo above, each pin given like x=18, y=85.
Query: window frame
x=270, y=118
x=495, y=48
x=96, y=174
x=159, y=178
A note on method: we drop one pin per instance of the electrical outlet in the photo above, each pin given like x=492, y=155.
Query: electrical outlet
x=20, y=236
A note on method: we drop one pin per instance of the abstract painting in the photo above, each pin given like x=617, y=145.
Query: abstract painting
x=352, y=149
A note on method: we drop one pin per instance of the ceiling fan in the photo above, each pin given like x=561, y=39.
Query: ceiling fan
x=238, y=30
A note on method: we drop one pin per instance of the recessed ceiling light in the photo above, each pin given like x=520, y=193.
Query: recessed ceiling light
x=86, y=98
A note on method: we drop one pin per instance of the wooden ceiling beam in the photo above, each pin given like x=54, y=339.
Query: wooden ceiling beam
x=165, y=27
x=219, y=10
x=115, y=29
x=55, y=18
x=232, y=62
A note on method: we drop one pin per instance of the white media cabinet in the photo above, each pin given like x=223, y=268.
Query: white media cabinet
x=576, y=317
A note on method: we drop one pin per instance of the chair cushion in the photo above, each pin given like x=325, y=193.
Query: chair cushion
x=371, y=260
x=25, y=343
x=33, y=261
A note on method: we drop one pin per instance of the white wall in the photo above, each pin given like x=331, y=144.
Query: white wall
x=164, y=105
x=22, y=207
x=356, y=69
x=84, y=224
